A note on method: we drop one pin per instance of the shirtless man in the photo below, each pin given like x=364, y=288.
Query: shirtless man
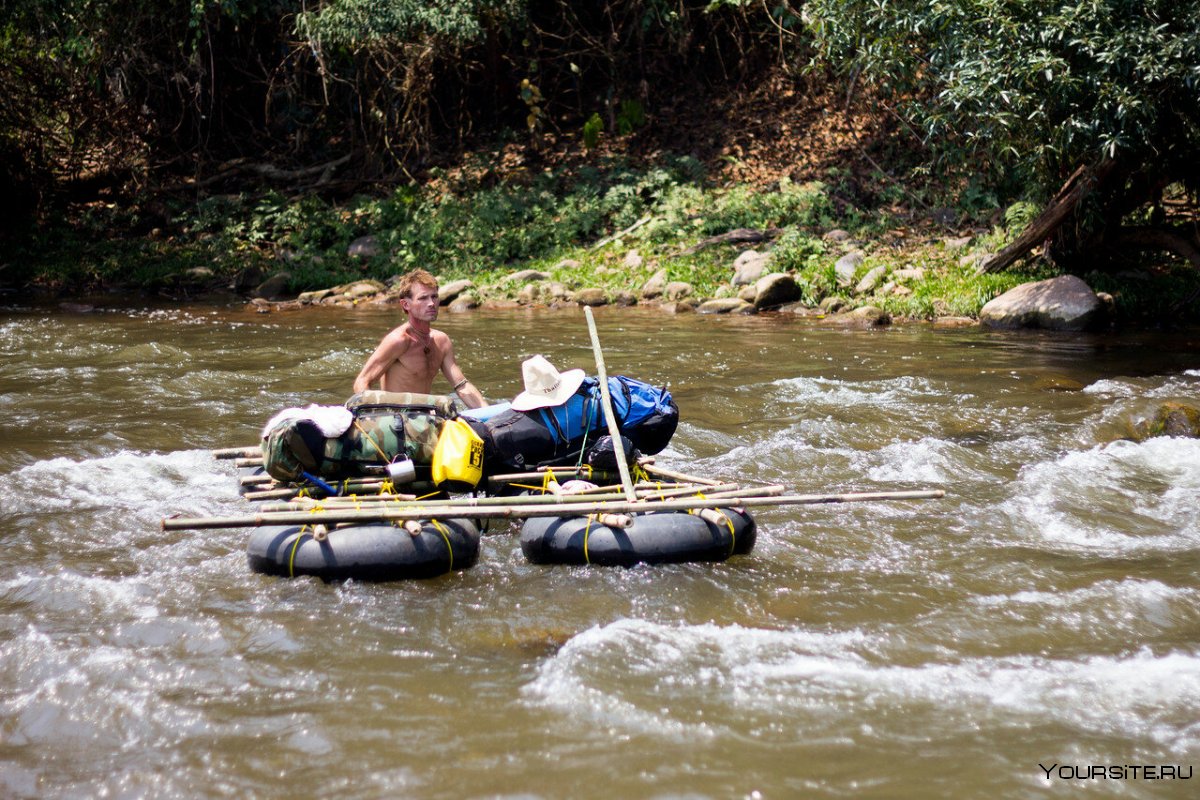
x=408, y=358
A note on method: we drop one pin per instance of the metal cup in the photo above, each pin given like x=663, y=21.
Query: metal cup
x=401, y=471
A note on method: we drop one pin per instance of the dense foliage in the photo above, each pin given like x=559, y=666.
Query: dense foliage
x=1024, y=93
x=285, y=114
x=219, y=91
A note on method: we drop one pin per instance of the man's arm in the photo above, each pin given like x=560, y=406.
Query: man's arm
x=389, y=350
x=465, y=389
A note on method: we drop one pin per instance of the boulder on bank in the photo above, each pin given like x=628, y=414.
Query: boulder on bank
x=1065, y=303
x=360, y=290
x=846, y=266
x=774, y=290
x=464, y=302
x=591, y=296
x=726, y=305
x=749, y=267
x=309, y=298
x=953, y=322
x=837, y=236
x=655, y=286
x=832, y=304
x=679, y=307
x=274, y=287
x=524, y=276
x=677, y=290
x=864, y=317
x=871, y=280
x=530, y=293
x=450, y=292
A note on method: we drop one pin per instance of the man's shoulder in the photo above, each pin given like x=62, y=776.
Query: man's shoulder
x=397, y=337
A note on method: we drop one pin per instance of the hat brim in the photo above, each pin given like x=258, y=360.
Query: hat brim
x=568, y=383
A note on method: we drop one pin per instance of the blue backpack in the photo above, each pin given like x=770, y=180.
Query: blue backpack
x=645, y=414
x=644, y=406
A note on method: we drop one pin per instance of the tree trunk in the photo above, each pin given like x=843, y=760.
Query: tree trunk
x=1082, y=183
x=1182, y=240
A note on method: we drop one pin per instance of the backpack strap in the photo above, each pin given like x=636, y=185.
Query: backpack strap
x=552, y=423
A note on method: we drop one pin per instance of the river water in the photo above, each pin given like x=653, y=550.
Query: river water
x=1039, y=622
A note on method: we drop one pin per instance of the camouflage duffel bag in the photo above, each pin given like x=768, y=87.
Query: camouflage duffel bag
x=380, y=433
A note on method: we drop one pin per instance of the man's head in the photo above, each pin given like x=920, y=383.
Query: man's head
x=419, y=295
x=418, y=277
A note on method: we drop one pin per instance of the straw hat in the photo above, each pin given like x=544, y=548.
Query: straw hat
x=544, y=385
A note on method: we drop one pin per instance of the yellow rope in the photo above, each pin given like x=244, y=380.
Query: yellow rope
x=586, y=558
x=387, y=488
x=640, y=474
x=295, y=546
x=728, y=521
x=386, y=458
x=732, y=532
x=449, y=547
x=547, y=479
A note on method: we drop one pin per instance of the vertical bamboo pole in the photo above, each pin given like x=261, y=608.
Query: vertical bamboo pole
x=613, y=430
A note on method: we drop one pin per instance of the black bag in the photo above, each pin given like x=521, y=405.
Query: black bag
x=603, y=456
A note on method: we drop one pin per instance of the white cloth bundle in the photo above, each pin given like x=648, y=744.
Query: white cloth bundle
x=331, y=420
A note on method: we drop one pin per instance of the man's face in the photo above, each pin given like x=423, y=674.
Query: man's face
x=422, y=303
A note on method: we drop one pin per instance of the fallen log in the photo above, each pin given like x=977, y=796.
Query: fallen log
x=1081, y=183
x=735, y=236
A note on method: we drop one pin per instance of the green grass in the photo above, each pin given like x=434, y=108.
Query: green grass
x=486, y=232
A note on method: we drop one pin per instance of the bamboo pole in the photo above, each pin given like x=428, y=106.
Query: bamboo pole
x=237, y=452
x=540, y=474
x=613, y=430
x=465, y=504
x=272, y=494
x=525, y=511
x=364, y=485
x=651, y=469
x=255, y=480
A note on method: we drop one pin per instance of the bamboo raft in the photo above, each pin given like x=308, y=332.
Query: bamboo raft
x=679, y=492
x=649, y=514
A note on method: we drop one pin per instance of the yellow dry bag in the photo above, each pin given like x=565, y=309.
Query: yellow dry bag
x=457, y=458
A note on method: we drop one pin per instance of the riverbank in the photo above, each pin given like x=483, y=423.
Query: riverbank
x=617, y=232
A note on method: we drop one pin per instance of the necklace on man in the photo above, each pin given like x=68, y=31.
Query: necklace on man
x=424, y=339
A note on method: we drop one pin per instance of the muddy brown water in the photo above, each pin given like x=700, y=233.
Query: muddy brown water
x=1040, y=622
